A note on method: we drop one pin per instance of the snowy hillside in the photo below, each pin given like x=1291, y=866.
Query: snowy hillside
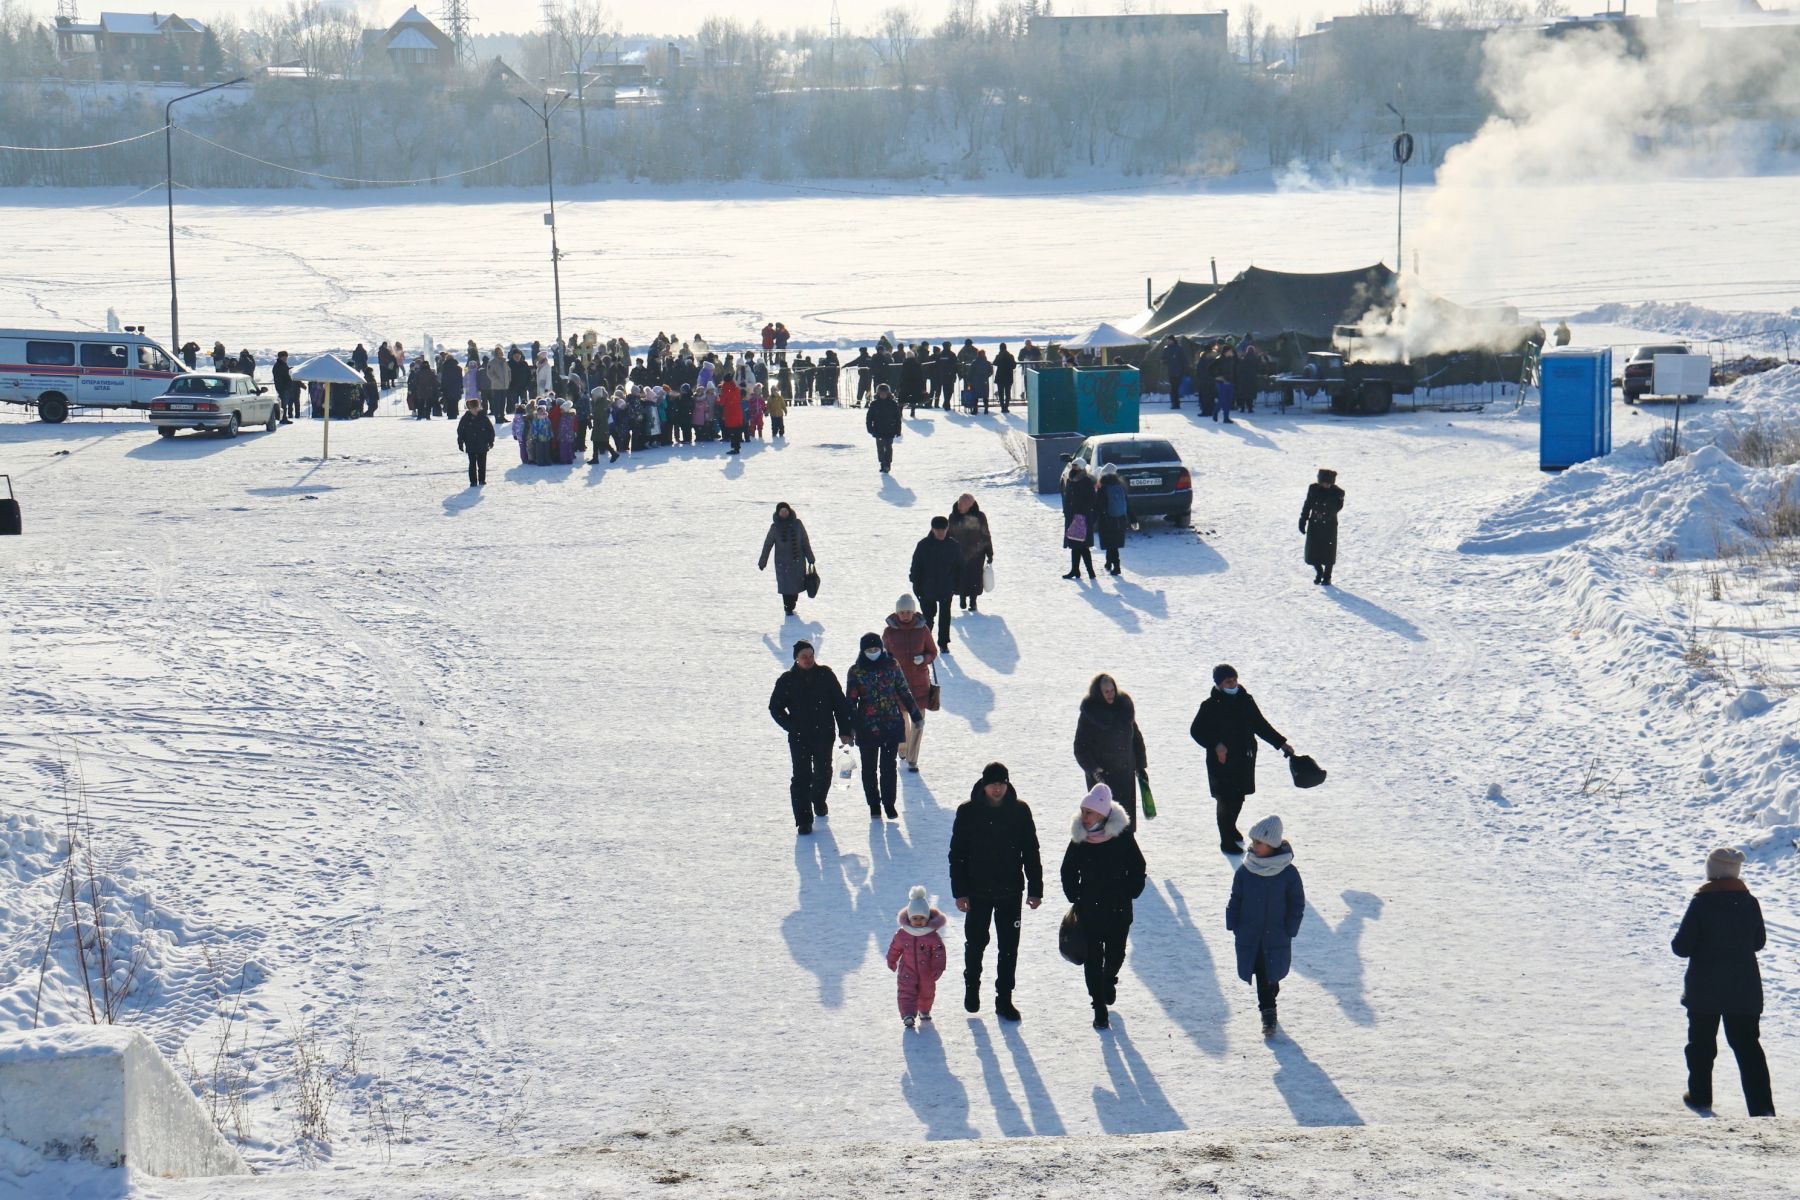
x=467, y=804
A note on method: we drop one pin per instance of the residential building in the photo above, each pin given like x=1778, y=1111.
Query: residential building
x=150, y=47
x=1074, y=32
x=413, y=43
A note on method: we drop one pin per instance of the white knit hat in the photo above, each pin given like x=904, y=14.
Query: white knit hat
x=1724, y=863
x=916, y=903
x=906, y=603
x=1267, y=831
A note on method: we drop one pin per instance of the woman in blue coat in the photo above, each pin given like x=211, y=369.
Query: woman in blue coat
x=1719, y=936
x=1267, y=904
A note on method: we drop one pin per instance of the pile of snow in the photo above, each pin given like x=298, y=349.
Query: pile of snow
x=102, y=1096
x=1650, y=565
x=1684, y=320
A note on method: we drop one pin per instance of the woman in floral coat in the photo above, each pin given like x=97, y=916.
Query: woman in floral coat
x=880, y=701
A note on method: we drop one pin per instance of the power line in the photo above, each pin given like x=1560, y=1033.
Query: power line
x=136, y=137
x=351, y=179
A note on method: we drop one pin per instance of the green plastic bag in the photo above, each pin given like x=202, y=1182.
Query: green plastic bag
x=1148, y=800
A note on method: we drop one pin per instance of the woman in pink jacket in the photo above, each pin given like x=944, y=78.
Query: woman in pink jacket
x=917, y=956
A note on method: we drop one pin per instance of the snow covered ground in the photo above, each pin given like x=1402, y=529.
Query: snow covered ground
x=474, y=794
x=311, y=270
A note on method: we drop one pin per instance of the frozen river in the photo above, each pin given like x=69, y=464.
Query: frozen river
x=318, y=270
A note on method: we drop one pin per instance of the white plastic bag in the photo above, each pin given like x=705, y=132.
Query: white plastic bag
x=987, y=578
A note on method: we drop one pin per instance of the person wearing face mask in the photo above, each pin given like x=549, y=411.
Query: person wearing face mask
x=880, y=702
x=1226, y=729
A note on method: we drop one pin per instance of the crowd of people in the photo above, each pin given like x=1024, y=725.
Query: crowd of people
x=1223, y=375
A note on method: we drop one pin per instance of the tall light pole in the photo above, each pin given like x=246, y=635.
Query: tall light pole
x=544, y=114
x=169, y=195
x=1403, y=152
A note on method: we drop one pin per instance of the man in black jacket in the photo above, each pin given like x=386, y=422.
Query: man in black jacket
x=994, y=865
x=1719, y=936
x=864, y=367
x=883, y=424
x=936, y=566
x=912, y=382
x=808, y=702
x=475, y=437
x=1226, y=728
x=285, y=391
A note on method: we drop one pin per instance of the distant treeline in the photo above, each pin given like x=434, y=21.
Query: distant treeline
x=972, y=97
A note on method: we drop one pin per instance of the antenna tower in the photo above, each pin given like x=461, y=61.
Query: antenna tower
x=65, y=10
x=552, y=18
x=456, y=23
x=837, y=27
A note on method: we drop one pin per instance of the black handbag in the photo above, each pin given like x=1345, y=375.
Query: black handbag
x=1071, y=939
x=1306, y=772
x=812, y=584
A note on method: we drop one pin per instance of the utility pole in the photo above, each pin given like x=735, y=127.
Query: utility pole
x=837, y=27
x=1403, y=152
x=456, y=23
x=169, y=196
x=544, y=114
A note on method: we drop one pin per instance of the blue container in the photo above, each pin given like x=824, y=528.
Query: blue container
x=1085, y=400
x=1575, y=415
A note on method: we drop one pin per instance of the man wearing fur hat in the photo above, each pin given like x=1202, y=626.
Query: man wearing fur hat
x=809, y=703
x=994, y=865
x=1102, y=873
x=1719, y=936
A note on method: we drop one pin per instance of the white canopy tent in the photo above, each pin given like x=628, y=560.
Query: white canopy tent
x=327, y=369
x=1103, y=337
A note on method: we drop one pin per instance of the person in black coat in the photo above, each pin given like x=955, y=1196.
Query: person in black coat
x=883, y=423
x=475, y=437
x=1174, y=360
x=285, y=391
x=912, y=382
x=1108, y=745
x=994, y=865
x=1226, y=728
x=1004, y=367
x=450, y=384
x=936, y=569
x=1319, y=522
x=808, y=702
x=1102, y=873
x=1079, y=500
x=1719, y=936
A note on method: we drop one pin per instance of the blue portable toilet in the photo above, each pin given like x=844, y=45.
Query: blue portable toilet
x=1575, y=413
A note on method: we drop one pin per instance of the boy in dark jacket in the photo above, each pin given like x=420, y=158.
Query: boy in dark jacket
x=1102, y=873
x=994, y=865
x=883, y=424
x=475, y=437
x=1267, y=904
x=1226, y=728
x=809, y=703
x=1719, y=936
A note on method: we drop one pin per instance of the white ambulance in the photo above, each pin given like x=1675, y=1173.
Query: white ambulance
x=56, y=370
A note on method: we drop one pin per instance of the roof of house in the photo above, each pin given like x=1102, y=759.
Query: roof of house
x=148, y=24
x=411, y=39
x=413, y=16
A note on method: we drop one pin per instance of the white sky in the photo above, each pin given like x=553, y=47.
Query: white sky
x=684, y=16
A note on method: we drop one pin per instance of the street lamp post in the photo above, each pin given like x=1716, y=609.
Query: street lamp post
x=169, y=195
x=544, y=114
x=1403, y=152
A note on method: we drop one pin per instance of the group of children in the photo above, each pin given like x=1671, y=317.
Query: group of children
x=1268, y=902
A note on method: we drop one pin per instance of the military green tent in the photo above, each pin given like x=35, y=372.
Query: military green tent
x=1269, y=303
x=1174, y=304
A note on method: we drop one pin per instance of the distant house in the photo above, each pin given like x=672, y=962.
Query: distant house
x=1074, y=32
x=413, y=43
x=131, y=46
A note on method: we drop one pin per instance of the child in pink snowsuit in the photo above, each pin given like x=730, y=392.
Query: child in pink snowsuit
x=917, y=954
x=758, y=406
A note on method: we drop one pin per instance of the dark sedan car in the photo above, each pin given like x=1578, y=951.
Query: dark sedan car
x=1156, y=482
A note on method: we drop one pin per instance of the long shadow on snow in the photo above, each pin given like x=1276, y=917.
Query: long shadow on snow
x=1136, y=1103
x=527, y=473
x=1007, y=1112
x=1045, y=1120
x=1375, y=615
x=1307, y=1089
x=967, y=698
x=1170, y=957
x=793, y=629
x=936, y=1096
x=189, y=446
x=1333, y=957
x=825, y=935
x=1158, y=553
x=986, y=636
x=457, y=502
x=1110, y=605
x=897, y=493
x=1248, y=435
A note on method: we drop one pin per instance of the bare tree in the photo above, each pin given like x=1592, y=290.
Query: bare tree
x=899, y=33
x=584, y=29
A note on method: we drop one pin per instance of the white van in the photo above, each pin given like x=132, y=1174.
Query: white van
x=55, y=370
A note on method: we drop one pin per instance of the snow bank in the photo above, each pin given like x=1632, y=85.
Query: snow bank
x=1642, y=560
x=1693, y=321
x=104, y=1095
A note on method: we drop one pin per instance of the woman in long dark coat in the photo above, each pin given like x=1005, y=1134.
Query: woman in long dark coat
x=1078, y=500
x=1226, y=729
x=1719, y=936
x=793, y=552
x=1108, y=746
x=1319, y=522
x=969, y=527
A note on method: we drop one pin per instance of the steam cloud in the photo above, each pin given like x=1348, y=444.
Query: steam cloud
x=1582, y=109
